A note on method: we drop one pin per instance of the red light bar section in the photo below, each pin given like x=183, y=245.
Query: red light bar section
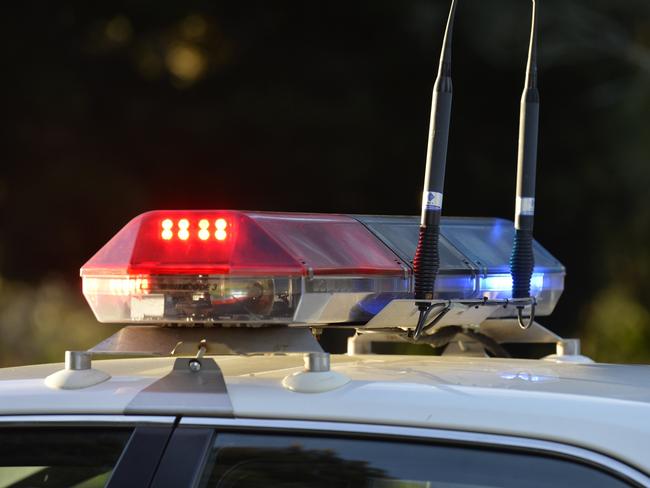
x=330, y=244
x=219, y=242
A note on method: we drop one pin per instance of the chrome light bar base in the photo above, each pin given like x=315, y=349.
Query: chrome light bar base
x=404, y=314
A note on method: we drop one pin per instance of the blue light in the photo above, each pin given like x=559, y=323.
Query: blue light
x=503, y=283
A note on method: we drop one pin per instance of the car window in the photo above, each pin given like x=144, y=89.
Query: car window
x=59, y=457
x=284, y=461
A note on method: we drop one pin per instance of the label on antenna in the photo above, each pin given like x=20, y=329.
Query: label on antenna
x=525, y=206
x=432, y=200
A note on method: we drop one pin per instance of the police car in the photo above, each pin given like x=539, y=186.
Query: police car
x=219, y=378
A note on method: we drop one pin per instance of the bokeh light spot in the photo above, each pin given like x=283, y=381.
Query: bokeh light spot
x=186, y=62
x=119, y=30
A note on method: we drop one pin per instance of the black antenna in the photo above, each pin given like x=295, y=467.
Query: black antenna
x=427, y=261
x=522, y=260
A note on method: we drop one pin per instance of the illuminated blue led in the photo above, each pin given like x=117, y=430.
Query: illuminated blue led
x=503, y=283
x=450, y=287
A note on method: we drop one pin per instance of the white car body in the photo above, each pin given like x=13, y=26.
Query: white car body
x=598, y=409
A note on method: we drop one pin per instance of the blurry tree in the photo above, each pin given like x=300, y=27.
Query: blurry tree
x=38, y=322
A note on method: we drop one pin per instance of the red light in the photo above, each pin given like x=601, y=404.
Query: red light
x=204, y=233
x=220, y=234
x=183, y=233
x=167, y=233
x=247, y=264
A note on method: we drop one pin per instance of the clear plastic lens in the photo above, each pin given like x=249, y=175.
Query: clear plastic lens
x=122, y=286
x=225, y=299
x=179, y=299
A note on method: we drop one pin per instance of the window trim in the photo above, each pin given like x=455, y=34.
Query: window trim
x=536, y=446
x=85, y=420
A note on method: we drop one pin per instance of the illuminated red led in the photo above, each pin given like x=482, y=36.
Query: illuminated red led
x=220, y=234
x=204, y=233
x=167, y=233
x=183, y=232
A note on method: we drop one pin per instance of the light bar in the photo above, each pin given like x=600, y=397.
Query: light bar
x=223, y=266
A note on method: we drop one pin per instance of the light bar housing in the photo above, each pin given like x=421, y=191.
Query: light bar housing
x=242, y=267
x=475, y=256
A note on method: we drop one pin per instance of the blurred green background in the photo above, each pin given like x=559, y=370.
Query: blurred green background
x=113, y=108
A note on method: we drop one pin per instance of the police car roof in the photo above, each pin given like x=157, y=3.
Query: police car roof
x=599, y=406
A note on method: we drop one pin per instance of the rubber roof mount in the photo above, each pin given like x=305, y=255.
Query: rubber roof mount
x=317, y=377
x=77, y=374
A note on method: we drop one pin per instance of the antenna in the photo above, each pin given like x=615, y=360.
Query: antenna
x=427, y=261
x=522, y=260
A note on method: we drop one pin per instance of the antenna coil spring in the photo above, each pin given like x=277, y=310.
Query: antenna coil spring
x=426, y=263
x=522, y=263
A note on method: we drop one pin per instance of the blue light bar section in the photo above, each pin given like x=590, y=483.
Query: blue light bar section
x=487, y=243
x=474, y=259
